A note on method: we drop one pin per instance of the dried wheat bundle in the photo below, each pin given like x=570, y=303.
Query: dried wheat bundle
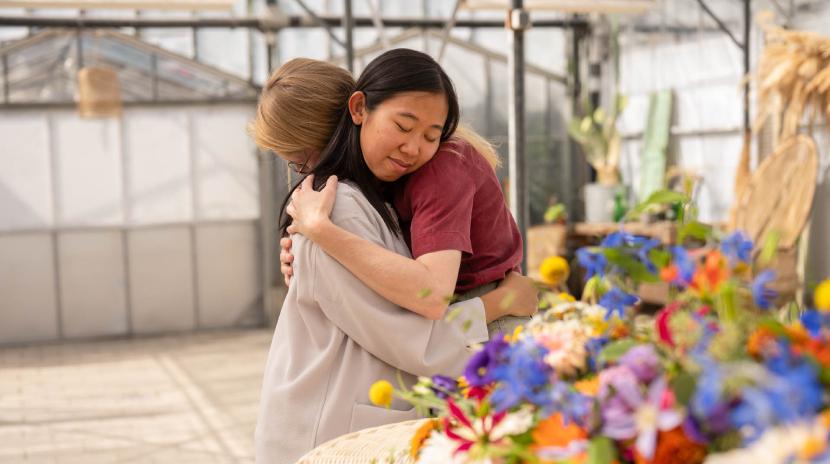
x=793, y=77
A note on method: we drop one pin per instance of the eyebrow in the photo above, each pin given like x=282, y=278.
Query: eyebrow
x=411, y=116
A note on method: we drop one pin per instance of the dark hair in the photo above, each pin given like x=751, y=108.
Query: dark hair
x=395, y=71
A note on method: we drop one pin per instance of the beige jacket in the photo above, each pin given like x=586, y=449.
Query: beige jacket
x=335, y=337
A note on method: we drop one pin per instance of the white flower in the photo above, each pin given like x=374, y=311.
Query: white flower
x=440, y=449
x=515, y=423
x=776, y=446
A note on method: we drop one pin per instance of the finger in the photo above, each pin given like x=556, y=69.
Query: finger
x=308, y=182
x=331, y=184
x=285, y=243
x=287, y=281
x=286, y=258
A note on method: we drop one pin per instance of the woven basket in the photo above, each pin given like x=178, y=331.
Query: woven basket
x=378, y=445
x=99, y=93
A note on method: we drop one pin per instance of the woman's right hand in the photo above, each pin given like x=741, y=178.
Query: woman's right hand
x=286, y=258
x=522, y=296
x=516, y=295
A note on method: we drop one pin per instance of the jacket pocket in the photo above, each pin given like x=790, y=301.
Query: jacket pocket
x=365, y=416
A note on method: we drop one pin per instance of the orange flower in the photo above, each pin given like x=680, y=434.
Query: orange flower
x=709, y=277
x=420, y=437
x=820, y=350
x=669, y=273
x=553, y=432
x=589, y=387
x=758, y=342
x=674, y=447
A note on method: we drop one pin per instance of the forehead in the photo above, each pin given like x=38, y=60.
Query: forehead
x=428, y=107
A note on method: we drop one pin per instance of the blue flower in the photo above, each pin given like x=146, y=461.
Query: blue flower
x=594, y=262
x=479, y=370
x=523, y=376
x=707, y=404
x=615, y=301
x=737, y=247
x=573, y=405
x=813, y=321
x=762, y=295
x=685, y=266
x=593, y=346
x=617, y=239
x=646, y=245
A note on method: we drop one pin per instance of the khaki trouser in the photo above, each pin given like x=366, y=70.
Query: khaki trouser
x=507, y=324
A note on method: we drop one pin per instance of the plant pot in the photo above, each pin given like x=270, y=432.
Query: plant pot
x=599, y=202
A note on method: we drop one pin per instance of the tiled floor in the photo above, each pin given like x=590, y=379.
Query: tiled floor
x=172, y=399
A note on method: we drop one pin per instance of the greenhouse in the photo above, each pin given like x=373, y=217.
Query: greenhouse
x=430, y=231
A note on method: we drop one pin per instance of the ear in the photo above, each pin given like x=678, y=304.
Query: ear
x=357, y=107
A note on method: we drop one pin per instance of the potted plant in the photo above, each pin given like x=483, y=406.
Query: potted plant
x=597, y=134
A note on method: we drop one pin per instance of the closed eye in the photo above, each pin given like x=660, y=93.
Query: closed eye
x=403, y=129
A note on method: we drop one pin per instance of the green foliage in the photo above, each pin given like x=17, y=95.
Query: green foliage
x=555, y=212
x=601, y=450
x=614, y=350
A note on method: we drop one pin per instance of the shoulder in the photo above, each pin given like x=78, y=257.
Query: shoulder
x=353, y=212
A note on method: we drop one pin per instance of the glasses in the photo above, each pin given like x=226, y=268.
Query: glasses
x=297, y=167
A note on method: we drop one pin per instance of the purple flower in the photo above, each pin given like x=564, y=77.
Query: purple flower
x=813, y=321
x=640, y=415
x=737, y=248
x=594, y=262
x=616, y=301
x=617, y=239
x=642, y=360
x=761, y=294
x=442, y=385
x=480, y=366
x=574, y=406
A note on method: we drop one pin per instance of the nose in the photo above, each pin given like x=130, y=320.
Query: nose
x=410, y=146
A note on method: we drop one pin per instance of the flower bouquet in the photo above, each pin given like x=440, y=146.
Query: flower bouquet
x=721, y=374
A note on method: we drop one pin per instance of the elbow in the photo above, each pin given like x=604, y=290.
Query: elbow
x=435, y=309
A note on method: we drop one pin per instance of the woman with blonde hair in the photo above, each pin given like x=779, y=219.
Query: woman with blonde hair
x=456, y=204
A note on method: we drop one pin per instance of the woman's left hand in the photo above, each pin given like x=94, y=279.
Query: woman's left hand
x=310, y=209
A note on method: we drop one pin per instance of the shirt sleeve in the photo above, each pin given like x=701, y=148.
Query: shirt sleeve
x=442, y=194
x=395, y=335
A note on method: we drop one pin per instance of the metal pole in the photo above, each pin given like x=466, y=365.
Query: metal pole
x=348, y=26
x=517, y=22
x=5, y=59
x=747, y=27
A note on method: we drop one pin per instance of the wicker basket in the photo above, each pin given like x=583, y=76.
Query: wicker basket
x=387, y=444
x=99, y=93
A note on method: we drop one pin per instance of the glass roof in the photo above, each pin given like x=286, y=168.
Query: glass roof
x=42, y=69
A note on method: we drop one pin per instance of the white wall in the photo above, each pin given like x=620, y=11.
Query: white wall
x=142, y=224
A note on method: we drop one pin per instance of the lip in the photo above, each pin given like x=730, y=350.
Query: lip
x=400, y=165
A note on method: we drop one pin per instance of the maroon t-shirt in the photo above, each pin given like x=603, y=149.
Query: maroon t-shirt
x=455, y=202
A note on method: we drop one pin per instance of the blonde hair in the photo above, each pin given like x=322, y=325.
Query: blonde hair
x=302, y=101
x=300, y=105
x=479, y=144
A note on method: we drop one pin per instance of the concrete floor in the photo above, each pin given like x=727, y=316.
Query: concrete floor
x=172, y=399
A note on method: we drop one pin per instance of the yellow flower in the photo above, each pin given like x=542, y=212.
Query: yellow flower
x=554, y=270
x=380, y=394
x=566, y=297
x=821, y=297
x=515, y=336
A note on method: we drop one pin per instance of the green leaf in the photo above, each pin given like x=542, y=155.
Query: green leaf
x=770, y=246
x=683, y=386
x=615, y=350
x=660, y=258
x=601, y=450
x=554, y=212
x=660, y=197
x=425, y=293
x=694, y=229
x=465, y=327
x=631, y=266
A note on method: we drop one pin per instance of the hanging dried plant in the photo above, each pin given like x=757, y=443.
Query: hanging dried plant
x=793, y=77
